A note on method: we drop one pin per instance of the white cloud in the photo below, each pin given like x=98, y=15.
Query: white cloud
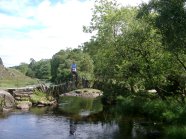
x=62, y=24
x=132, y=2
x=42, y=30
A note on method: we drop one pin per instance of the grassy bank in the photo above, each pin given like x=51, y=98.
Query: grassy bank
x=169, y=111
x=13, y=78
x=16, y=83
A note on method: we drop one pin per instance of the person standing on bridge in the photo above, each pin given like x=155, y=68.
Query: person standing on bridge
x=74, y=70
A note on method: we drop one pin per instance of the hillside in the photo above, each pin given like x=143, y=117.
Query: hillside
x=10, y=77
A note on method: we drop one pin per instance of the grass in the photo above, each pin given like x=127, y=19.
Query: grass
x=11, y=78
x=16, y=83
x=39, y=96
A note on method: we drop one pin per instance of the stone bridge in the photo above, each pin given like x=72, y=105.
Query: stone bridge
x=54, y=90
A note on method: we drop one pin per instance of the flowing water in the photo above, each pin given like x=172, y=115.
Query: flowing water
x=75, y=118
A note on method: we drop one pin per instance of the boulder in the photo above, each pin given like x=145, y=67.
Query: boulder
x=24, y=105
x=85, y=92
x=46, y=103
x=6, y=100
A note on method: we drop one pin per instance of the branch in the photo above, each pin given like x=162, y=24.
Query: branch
x=179, y=60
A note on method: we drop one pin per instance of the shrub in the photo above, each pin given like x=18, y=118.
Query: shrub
x=176, y=132
x=39, y=96
x=130, y=104
x=169, y=116
x=154, y=109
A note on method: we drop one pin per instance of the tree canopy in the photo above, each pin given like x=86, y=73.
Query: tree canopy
x=141, y=48
x=137, y=48
x=61, y=64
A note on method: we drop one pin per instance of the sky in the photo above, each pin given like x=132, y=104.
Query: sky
x=40, y=28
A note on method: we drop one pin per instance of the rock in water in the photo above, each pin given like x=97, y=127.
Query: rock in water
x=24, y=105
x=6, y=100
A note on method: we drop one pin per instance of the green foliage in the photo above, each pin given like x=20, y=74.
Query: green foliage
x=170, y=111
x=61, y=65
x=126, y=104
x=23, y=68
x=155, y=109
x=39, y=96
x=36, y=69
x=176, y=132
x=42, y=69
x=79, y=106
x=132, y=46
x=11, y=77
x=171, y=21
x=75, y=104
x=169, y=116
x=58, y=68
x=30, y=73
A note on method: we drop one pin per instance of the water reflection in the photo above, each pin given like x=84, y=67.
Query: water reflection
x=88, y=120
x=73, y=127
x=80, y=106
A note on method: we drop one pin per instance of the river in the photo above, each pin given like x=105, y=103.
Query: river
x=75, y=118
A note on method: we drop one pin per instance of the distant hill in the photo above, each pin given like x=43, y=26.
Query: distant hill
x=1, y=61
x=6, y=73
x=10, y=77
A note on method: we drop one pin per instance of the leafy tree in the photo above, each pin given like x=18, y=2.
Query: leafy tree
x=23, y=67
x=61, y=63
x=129, y=50
x=42, y=69
x=108, y=21
x=170, y=19
x=32, y=63
x=56, y=60
x=30, y=73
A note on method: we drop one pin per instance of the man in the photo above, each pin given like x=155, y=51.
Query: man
x=74, y=70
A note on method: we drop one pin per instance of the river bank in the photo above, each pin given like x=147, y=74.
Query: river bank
x=77, y=117
x=24, y=98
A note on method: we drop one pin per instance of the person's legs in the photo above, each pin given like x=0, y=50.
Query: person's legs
x=76, y=77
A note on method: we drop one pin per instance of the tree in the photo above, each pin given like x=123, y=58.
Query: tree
x=23, y=67
x=126, y=49
x=170, y=19
x=32, y=63
x=36, y=69
x=108, y=20
x=42, y=69
x=61, y=63
x=30, y=73
x=56, y=60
